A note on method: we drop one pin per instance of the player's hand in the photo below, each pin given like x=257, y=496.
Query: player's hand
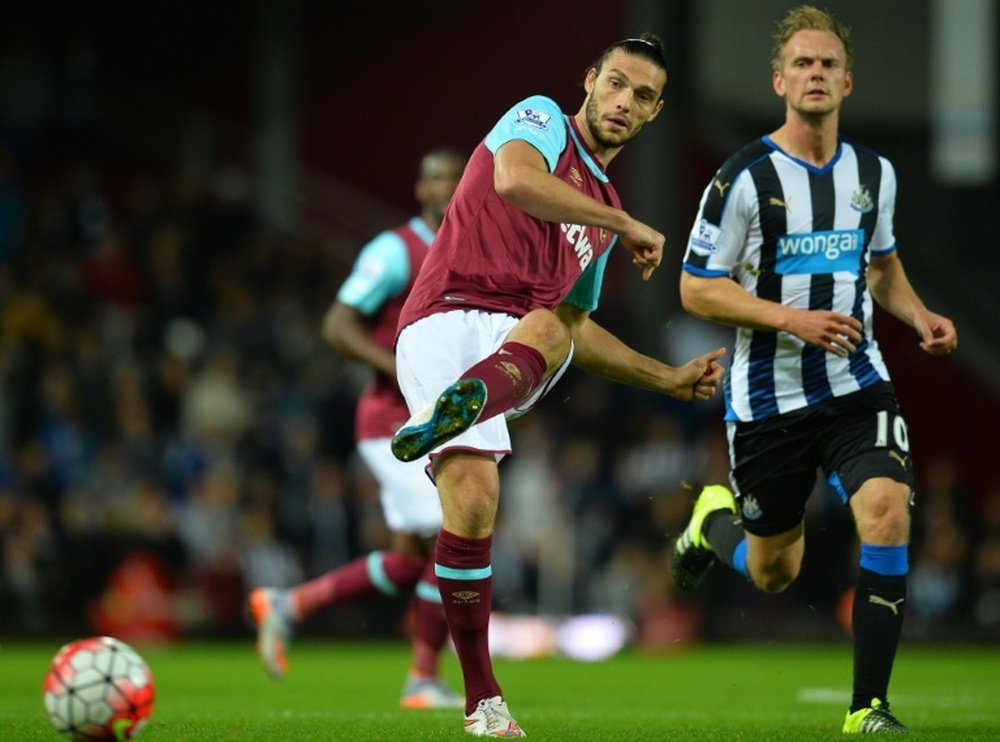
x=699, y=378
x=833, y=332
x=646, y=246
x=937, y=334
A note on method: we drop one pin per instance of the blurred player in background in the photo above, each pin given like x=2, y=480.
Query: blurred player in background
x=793, y=241
x=361, y=323
x=503, y=305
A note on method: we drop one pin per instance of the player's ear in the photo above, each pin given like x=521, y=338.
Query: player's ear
x=656, y=112
x=778, y=83
x=848, y=83
x=589, y=79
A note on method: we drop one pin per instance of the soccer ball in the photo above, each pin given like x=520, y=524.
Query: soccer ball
x=98, y=688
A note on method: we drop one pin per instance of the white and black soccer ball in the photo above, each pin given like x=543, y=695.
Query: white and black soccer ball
x=98, y=688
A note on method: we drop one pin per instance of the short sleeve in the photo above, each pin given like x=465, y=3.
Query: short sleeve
x=719, y=232
x=536, y=120
x=883, y=240
x=380, y=272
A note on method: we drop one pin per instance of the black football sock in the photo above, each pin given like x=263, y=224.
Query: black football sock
x=877, y=622
x=723, y=531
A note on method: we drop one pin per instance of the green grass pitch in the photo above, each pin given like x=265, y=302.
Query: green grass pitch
x=217, y=691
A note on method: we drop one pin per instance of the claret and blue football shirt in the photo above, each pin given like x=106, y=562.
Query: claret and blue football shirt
x=492, y=256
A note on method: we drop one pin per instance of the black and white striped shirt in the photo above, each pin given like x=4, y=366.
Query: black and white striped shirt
x=790, y=232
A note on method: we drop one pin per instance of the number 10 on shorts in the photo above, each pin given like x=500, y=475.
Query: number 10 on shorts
x=900, y=436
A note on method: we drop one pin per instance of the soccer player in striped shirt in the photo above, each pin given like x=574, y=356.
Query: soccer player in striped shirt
x=503, y=304
x=792, y=244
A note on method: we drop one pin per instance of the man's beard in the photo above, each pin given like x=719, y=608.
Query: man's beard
x=593, y=124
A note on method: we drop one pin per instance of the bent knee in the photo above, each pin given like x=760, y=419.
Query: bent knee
x=892, y=528
x=543, y=330
x=885, y=519
x=774, y=578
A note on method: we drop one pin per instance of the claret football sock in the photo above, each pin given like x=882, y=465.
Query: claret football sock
x=378, y=573
x=430, y=629
x=465, y=578
x=510, y=375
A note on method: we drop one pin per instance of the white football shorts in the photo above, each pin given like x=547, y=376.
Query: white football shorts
x=409, y=499
x=435, y=351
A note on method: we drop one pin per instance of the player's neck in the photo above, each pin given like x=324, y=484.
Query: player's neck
x=602, y=154
x=812, y=141
x=431, y=220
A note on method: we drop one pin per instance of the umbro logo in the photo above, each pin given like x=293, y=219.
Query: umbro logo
x=511, y=370
x=465, y=596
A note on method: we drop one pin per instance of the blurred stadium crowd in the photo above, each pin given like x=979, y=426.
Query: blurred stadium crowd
x=173, y=431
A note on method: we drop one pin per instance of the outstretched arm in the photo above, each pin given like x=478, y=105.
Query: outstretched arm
x=521, y=178
x=598, y=351
x=891, y=288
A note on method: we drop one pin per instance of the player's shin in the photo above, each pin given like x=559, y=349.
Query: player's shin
x=510, y=375
x=430, y=629
x=724, y=533
x=877, y=619
x=377, y=573
x=465, y=581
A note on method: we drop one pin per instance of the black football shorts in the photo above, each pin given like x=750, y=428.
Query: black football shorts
x=852, y=439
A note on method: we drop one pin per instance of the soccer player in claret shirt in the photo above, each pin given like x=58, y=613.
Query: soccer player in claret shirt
x=793, y=242
x=361, y=323
x=503, y=305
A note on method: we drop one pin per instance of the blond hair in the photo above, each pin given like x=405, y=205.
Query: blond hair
x=809, y=18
